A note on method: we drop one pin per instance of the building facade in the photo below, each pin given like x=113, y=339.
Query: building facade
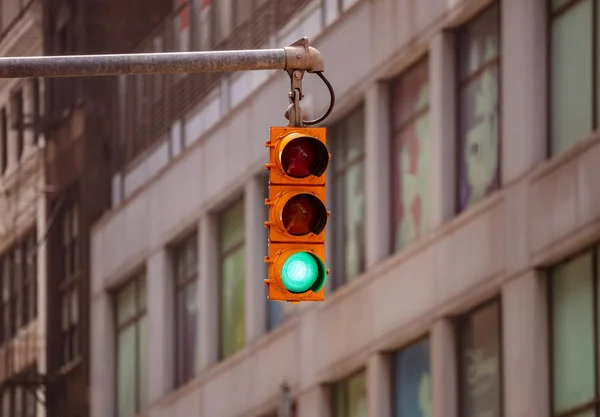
x=464, y=230
x=23, y=220
x=79, y=125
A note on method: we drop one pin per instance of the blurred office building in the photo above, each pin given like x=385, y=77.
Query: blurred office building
x=463, y=186
x=22, y=218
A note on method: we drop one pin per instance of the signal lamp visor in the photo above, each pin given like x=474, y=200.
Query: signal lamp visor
x=302, y=272
x=304, y=156
x=303, y=214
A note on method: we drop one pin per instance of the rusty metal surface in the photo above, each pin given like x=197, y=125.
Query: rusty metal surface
x=159, y=63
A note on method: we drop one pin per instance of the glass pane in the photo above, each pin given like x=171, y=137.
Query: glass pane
x=339, y=394
x=573, y=329
x=357, y=396
x=143, y=363
x=74, y=306
x=141, y=293
x=412, y=381
x=571, y=85
x=354, y=219
x=6, y=403
x=233, y=335
x=126, y=303
x=410, y=94
x=481, y=363
x=64, y=302
x=232, y=226
x=355, y=131
x=224, y=15
x=203, y=23
x=187, y=332
x=478, y=42
x=126, y=373
x=410, y=192
x=338, y=273
x=191, y=255
x=558, y=3
x=18, y=401
x=479, y=139
x=182, y=26
x=30, y=404
x=274, y=313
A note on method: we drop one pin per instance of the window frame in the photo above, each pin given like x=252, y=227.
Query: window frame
x=138, y=280
x=337, y=135
x=461, y=84
x=182, y=286
x=459, y=326
x=593, y=405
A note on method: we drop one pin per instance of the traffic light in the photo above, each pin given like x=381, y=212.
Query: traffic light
x=297, y=214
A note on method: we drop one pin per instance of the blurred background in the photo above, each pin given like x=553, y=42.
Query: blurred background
x=463, y=241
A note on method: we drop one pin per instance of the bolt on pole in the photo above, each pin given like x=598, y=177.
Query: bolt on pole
x=297, y=56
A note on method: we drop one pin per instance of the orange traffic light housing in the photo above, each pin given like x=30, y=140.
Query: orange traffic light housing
x=297, y=214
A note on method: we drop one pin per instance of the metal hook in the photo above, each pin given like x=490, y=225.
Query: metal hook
x=294, y=112
x=331, y=102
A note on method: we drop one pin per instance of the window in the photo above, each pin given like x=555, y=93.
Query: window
x=349, y=397
x=233, y=329
x=29, y=293
x=574, y=310
x=18, y=401
x=69, y=285
x=478, y=107
x=131, y=345
x=36, y=108
x=18, y=282
x=17, y=119
x=412, y=381
x=480, y=363
x=3, y=141
x=348, y=185
x=185, y=263
x=410, y=155
x=573, y=72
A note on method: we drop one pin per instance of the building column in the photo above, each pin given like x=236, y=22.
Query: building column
x=377, y=173
x=208, y=292
x=102, y=356
x=255, y=251
x=442, y=168
x=444, y=375
x=379, y=380
x=160, y=325
x=523, y=99
x=525, y=346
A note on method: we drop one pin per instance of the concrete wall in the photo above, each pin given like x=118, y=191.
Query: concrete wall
x=546, y=210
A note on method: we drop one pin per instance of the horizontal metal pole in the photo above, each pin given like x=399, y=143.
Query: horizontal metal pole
x=159, y=63
x=296, y=56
